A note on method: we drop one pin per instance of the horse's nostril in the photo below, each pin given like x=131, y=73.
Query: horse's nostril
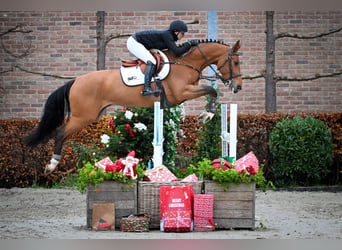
x=239, y=87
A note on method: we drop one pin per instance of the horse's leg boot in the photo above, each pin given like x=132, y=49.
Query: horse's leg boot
x=150, y=69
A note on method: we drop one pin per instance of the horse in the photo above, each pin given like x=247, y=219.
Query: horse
x=80, y=101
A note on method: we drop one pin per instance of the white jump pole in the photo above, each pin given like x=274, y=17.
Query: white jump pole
x=224, y=133
x=230, y=137
x=158, y=136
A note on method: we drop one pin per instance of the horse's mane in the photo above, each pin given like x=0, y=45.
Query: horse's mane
x=212, y=41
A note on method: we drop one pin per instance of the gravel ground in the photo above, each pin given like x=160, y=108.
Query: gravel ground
x=61, y=214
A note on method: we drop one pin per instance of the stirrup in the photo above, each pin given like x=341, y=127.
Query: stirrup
x=148, y=92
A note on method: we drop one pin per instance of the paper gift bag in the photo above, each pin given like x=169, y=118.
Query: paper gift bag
x=161, y=174
x=190, y=178
x=176, y=208
x=103, y=217
x=248, y=163
x=203, y=212
x=103, y=163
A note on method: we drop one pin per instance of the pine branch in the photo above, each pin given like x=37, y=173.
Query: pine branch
x=196, y=21
x=22, y=55
x=6, y=71
x=12, y=30
x=41, y=74
x=15, y=29
x=253, y=77
x=317, y=76
x=114, y=36
x=282, y=35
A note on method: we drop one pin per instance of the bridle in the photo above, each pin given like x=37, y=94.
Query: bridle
x=229, y=81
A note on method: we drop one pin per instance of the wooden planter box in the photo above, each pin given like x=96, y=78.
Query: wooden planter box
x=149, y=197
x=234, y=208
x=124, y=198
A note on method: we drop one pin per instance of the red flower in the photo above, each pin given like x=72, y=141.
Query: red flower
x=97, y=191
x=251, y=170
x=124, y=109
x=131, y=133
x=128, y=127
x=111, y=124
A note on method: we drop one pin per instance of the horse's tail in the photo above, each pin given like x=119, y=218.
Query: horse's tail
x=53, y=116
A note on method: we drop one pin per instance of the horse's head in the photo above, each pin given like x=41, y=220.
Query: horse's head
x=229, y=67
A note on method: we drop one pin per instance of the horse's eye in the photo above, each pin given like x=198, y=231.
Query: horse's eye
x=236, y=63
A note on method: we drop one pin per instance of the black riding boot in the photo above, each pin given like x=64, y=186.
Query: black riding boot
x=150, y=69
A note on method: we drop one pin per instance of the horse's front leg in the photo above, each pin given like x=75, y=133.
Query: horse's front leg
x=212, y=106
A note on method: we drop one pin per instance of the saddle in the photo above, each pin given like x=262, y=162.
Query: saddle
x=139, y=63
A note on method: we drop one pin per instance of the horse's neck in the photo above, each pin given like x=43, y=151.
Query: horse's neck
x=207, y=53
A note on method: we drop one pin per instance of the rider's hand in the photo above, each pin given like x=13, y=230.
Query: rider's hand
x=193, y=42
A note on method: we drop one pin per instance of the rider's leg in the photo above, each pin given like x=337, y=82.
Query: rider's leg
x=142, y=53
x=139, y=50
x=150, y=69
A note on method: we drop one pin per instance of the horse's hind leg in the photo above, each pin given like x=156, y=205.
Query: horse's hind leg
x=63, y=132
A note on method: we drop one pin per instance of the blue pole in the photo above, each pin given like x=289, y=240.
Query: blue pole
x=212, y=34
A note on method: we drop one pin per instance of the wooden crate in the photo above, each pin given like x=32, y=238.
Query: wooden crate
x=149, y=197
x=234, y=208
x=124, y=198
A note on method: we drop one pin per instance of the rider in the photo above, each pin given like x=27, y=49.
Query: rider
x=141, y=42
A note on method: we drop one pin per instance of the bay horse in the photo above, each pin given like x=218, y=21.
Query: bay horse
x=86, y=96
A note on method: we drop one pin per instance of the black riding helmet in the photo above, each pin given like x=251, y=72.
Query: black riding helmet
x=178, y=26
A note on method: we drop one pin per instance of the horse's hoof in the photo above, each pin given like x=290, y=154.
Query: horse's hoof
x=50, y=167
x=48, y=170
x=205, y=117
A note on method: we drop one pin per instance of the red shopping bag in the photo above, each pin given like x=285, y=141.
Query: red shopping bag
x=176, y=208
x=247, y=164
x=203, y=212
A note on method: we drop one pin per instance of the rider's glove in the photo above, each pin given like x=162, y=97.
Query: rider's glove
x=193, y=42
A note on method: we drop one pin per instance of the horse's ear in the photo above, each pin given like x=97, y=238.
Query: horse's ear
x=236, y=46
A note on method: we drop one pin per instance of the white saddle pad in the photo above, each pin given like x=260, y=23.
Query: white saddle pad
x=133, y=76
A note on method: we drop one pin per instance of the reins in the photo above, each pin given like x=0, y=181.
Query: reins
x=217, y=75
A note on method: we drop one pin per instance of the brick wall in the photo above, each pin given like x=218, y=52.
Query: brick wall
x=64, y=43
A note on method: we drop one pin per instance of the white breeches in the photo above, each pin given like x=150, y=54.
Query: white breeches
x=139, y=50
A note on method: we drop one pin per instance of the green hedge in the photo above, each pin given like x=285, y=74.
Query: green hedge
x=21, y=166
x=302, y=151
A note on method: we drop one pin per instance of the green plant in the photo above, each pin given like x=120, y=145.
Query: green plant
x=209, y=143
x=91, y=175
x=132, y=129
x=204, y=170
x=261, y=227
x=302, y=151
